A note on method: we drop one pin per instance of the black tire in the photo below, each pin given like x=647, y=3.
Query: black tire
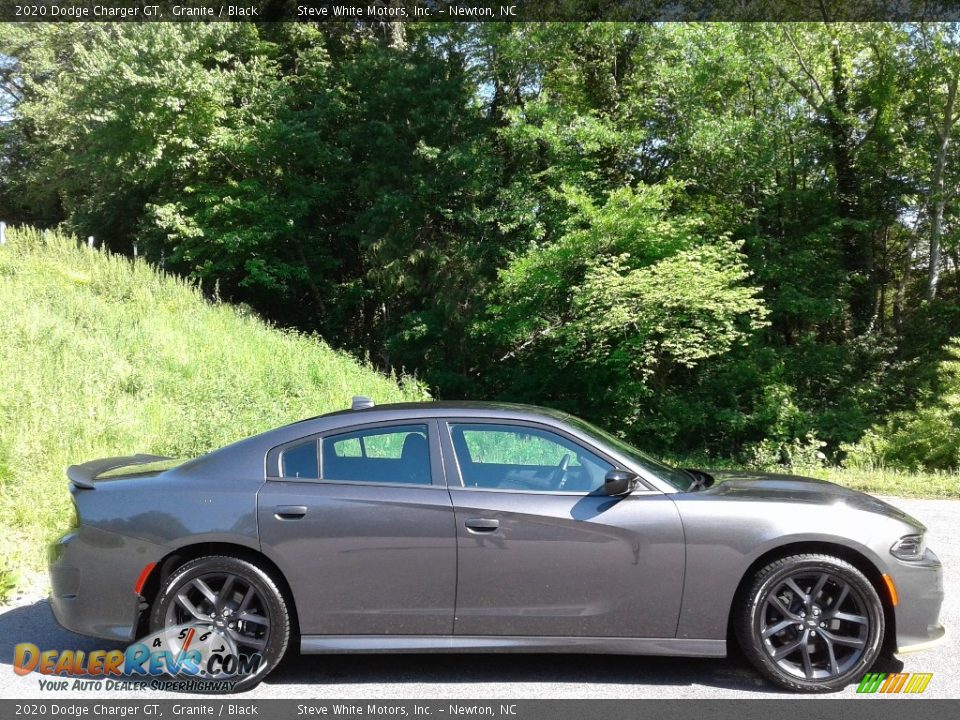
x=818, y=635
x=268, y=603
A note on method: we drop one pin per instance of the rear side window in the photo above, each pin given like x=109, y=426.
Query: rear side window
x=396, y=454
x=300, y=461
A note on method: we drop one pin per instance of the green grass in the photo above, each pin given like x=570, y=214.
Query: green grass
x=101, y=356
x=884, y=481
x=873, y=480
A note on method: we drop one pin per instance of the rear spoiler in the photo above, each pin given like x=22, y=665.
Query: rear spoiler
x=83, y=475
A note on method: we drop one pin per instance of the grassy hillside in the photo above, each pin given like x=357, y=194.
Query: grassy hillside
x=101, y=356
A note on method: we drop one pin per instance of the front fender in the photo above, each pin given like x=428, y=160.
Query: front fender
x=724, y=538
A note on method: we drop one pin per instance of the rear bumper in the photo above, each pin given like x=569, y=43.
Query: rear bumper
x=920, y=591
x=91, y=591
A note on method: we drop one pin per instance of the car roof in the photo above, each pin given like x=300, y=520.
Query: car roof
x=250, y=452
x=229, y=462
x=437, y=408
x=249, y=447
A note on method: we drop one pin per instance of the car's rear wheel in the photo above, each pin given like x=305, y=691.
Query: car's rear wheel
x=232, y=605
x=811, y=623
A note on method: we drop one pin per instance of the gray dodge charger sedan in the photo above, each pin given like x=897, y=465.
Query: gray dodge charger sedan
x=489, y=527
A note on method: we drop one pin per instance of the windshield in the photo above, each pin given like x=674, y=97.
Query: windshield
x=677, y=478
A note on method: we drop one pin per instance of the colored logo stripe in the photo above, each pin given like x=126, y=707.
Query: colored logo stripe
x=894, y=682
x=918, y=682
x=871, y=682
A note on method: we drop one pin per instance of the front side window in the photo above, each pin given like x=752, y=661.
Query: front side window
x=515, y=457
x=396, y=454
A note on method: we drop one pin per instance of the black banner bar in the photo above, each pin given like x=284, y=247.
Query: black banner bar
x=146, y=709
x=319, y=11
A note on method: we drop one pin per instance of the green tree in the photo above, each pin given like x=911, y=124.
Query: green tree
x=629, y=299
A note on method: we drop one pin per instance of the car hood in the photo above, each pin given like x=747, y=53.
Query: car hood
x=747, y=486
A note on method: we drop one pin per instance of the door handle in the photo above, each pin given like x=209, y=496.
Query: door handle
x=290, y=512
x=482, y=525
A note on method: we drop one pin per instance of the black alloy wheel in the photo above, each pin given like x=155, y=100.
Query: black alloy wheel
x=230, y=603
x=811, y=623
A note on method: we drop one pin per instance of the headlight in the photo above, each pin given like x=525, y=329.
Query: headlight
x=909, y=547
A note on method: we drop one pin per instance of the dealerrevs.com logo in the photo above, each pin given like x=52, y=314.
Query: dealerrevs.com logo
x=894, y=683
x=184, y=658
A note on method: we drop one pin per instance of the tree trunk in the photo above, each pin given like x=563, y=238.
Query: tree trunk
x=899, y=300
x=857, y=245
x=884, y=277
x=396, y=32
x=311, y=284
x=938, y=199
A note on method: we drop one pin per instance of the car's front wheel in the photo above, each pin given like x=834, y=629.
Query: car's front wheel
x=811, y=623
x=232, y=612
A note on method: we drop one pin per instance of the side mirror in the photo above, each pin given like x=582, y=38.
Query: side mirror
x=619, y=482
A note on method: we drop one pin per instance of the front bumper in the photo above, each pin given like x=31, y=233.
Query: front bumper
x=920, y=594
x=92, y=575
x=928, y=645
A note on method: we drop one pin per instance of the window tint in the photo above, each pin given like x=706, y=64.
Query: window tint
x=514, y=457
x=513, y=447
x=373, y=444
x=300, y=461
x=397, y=454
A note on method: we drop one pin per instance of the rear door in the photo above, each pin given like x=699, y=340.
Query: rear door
x=362, y=525
x=542, y=552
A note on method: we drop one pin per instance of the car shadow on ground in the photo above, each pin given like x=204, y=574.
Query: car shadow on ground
x=34, y=623
x=731, y=673
x=504, y=669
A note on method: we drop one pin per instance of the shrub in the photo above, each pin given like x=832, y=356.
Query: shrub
x=925, y=439
x=804, y=453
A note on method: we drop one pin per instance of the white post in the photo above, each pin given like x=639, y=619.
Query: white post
x=90, y=242
x=134, y=251
x=3, y=233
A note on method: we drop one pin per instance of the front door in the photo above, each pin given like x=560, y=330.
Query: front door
x=363, y=528
x=542, y=552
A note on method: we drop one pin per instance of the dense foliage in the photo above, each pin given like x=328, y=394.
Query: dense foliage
x=734, y=239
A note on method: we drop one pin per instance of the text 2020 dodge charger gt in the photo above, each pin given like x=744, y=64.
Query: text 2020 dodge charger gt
x=479, y=527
